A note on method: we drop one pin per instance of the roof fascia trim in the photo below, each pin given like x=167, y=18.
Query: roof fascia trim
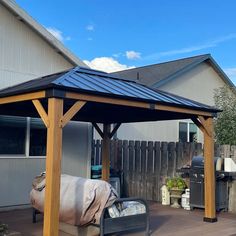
x=189, y=67
x=41, y=31
x=180, y=72
x=221, y=72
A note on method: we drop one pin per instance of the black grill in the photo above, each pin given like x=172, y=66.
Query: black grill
x=196, y=175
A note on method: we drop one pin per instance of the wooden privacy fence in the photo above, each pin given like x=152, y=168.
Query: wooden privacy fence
x=146, y=165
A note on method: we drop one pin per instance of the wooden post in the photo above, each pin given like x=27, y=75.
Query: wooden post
x=209, y=172
x=106, y=152
x=53, y=168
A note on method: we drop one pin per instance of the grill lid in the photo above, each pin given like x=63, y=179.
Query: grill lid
x=198, y=163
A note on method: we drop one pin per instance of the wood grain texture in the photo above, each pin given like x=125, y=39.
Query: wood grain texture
x=209, y=172
x=22, y=97
x=182, y=110
x=94, y=98
x=53, y=168
x=106, y=152
x=71, y=112
x=41, y=111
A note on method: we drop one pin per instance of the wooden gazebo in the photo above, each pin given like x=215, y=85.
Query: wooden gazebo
x=87, y=95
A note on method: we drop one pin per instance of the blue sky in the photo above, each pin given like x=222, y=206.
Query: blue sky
x=121, y=34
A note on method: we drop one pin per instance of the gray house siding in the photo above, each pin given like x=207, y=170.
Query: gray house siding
x=25, y=54
x=197, y=84
x=16, y=174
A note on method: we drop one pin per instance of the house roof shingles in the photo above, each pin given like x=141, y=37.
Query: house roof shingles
x=157, y=74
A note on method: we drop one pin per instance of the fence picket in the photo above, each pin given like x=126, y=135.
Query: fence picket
x=131, y=168
x=143, y=187
x=126, y=167
x=137, y=168
x=150, y=171
x=157, y=171
x=146, y=165
x=164, y=161
x=171, y=171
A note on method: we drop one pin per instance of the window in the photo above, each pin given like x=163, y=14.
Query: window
x=192, y=132
x=12, y=135
x=187, y=132
x=22, y=136
x=38, y=137
x=183, y=132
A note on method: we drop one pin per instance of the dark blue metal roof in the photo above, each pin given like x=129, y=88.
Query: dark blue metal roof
x=86, y=80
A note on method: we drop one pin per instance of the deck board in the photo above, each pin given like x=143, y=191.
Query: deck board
x=165, y=221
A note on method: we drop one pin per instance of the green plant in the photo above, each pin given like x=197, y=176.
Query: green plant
x=3, y=229
x=176, y=182
x=225, y=125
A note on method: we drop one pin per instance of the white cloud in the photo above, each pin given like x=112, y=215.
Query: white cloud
x=90, y=27
x=90, y=38
x=67, y=38
x=117, y=54
x=209, y=44
x=58, y=34
x=132, y=55
x=107, y=64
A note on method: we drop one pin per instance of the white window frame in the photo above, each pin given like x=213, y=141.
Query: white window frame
x=188, y=129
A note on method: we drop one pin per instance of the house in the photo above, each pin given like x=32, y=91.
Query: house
x=195, y=78
x=29, y=51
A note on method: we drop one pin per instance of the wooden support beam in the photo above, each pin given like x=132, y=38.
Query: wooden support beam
x=71, y=112
x=198, y=124
x=41, y=112
x=115, y=101
x=182, y=110
x=22, y=97
x=209, y=173
x=95, y=125
x=117, y=126
x=106, y=152
x=139, y=104
x=205, y=125
x=53, y=168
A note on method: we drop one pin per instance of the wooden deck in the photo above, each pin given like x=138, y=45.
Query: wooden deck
x=165, y=221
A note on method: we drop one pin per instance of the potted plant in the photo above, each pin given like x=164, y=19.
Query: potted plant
x=3, y=229
x=176, y=186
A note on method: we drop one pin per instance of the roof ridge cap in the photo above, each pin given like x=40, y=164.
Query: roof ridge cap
x=207, y=55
